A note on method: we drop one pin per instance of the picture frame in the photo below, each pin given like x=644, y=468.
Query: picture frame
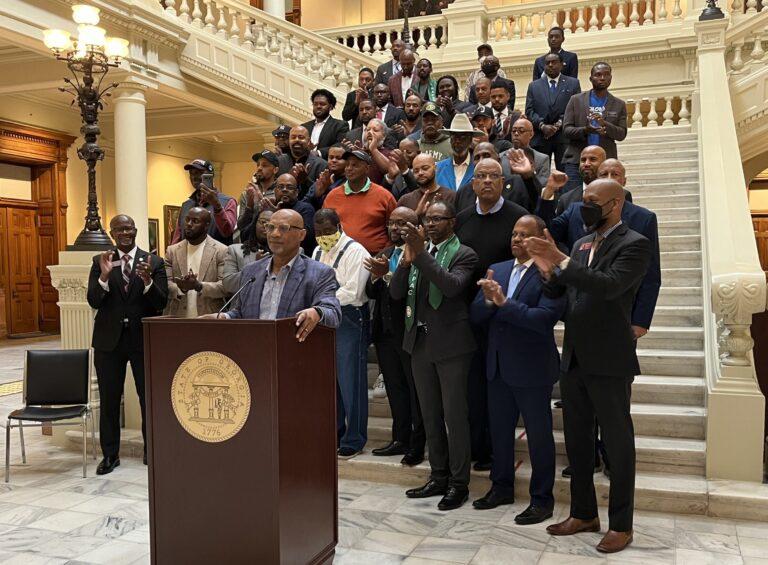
x=153, y=229
x=170, y=220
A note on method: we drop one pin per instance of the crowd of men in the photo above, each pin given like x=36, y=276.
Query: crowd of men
x=452, y=235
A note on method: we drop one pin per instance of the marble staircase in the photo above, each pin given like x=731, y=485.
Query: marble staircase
x=668, y=402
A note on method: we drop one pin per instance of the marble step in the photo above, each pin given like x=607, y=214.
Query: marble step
x=661, y=145
x=688, y=153
x=662, y=188
x=675, y=259
x=681, y=276
x=656, y=178
x=678, y=316
x=664, y=492
x=660, y=337
x=653, y=389
x=680, y=296
x=679, y=227
x=686, y=165
x=669, y=243
x=669, y=133
x=682, y=213
x=678, y=363
x=665, y=200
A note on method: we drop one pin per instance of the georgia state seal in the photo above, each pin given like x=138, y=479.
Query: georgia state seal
x=210, y=396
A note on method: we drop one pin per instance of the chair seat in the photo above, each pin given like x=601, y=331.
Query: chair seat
x=48, y=414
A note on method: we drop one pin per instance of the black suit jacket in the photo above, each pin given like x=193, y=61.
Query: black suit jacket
x=384, y=72
x=393, y=115
x=116, y=305
x=523, y=192
x=576, y=195
x=333, y=132
x=570, y=65
x=449, y=332
x=575, y=122
x=542, y=107
x=510, y=87
x=388, y=313
x=598, y=319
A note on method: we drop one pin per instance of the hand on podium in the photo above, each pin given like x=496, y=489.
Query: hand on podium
x=214, y=316
x=306, y=320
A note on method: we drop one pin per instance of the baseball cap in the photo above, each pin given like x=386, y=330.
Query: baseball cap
x=268, y=155
x=362, y=155
x=431, y=108
x=482, y=111
x=200, y=165
x=281, y=130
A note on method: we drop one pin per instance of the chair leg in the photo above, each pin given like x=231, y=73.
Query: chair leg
x=8, y=450
x=85, y=444
x=93, y=434
x=23, y=448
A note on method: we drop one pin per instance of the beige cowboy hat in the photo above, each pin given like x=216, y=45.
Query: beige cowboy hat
x=461, y=124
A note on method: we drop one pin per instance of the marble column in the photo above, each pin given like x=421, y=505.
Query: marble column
x=131, y=158
x=275, y=8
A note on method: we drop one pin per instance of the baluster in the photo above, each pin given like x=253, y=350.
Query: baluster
x=528, y=25
x=367, y=45
x=637, y=117
x=422, y=42
x=301, y=55
x=432, y=37
x=757, y=51
x=661, y=13
x=677, y=11
x=234, y=30
x=580, y=23
x=653, y=115
x=286, y=49
x=274, y=46
x=197, y=15
x=542, y=17
x=221, y=25
x=184, y=11
x=668, y=113
x=491, y=30
x=376, y=43
x=593, y=21
x=444, y=38
x=751, y=6
x=634, y=16
x=247, y=34
x=261, y=42
x=567, y=25
x=736, y=7
x=517, y=30
x=170, y=7
x=345, y=79
x=607, y=16
x=648, y=14
x=314, y=64
x=621, y=20
x=504, y=28
x=209, y=27
x=684, y=113
x=737, y=64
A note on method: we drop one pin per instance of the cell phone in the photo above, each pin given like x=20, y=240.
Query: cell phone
x=207, y=180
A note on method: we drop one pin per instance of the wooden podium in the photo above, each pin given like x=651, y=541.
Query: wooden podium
x=266, y=495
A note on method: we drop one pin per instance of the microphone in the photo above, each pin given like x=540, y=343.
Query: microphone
x=239, y=290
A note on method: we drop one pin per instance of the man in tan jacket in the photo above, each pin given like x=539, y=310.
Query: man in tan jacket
x=195, y=269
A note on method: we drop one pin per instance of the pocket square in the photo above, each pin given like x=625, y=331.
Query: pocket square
x=586, y=246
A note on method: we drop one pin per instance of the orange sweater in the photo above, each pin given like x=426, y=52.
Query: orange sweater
x=364, y=215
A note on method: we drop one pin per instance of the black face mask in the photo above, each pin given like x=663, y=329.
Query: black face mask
x=490, y=69
x=592, y=216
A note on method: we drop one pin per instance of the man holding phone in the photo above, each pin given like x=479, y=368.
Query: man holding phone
x=223, y=208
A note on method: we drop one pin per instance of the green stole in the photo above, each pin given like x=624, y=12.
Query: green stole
x=444, y=257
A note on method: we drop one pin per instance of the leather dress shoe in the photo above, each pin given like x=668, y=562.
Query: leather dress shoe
x=533, y=515
x=572, y=525
x=454, y=498
x=412, y=458
x=492, y=499
x=392, y=448
x=432, y=488
x=483, y=465
x=568, y=471
x=107, y=465
x=614, y=541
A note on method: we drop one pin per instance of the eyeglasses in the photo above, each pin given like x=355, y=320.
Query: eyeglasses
x=286, y=187
x=435, y=219
x=281, y=228
x=262, y=222
x=492, y=176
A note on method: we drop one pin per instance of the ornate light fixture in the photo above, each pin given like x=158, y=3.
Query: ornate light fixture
x=89, y=58
x=406, y=5
x=711, y=12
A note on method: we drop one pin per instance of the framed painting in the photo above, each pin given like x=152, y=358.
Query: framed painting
x=154, y=232
x=170, y=219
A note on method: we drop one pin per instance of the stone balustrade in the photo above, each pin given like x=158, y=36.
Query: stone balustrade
x=658, y=110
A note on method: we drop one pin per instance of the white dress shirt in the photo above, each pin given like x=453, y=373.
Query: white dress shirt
x=460, y=170
x=120, y=254
x=381, y=113
x=194, y=255
x=495, y=208
x=350, y=274
x=317, y=130
x=405, y=84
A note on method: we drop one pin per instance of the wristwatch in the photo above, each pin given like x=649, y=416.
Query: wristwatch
x=319, y=312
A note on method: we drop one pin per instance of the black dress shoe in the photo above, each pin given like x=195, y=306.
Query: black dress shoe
x=412, y=458
x=392, y=448
x=492, y=499
x=432, y=488
x=107, y=465
x=567, y=472
x=454, y=498
x=533, y=515
x=483, y=465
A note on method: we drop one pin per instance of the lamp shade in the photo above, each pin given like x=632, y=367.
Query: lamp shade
x=91, y=35
x=56, y=39
x=116, y=47
x=84, y=14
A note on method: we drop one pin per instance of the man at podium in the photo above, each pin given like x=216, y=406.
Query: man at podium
x=286, y=283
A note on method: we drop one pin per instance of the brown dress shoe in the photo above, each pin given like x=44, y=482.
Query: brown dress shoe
x=574, y=526
x=614, y=541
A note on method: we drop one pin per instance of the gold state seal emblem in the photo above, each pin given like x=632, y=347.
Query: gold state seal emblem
x=210, y=396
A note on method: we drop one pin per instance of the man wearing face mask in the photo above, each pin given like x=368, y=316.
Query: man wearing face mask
x=599, y=359
x=347, y=257
x=491, y=70
x=483, y=51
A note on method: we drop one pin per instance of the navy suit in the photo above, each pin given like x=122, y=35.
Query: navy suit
x=544, y=107
x=570, y=64
x=568, y=228
x=522, y=365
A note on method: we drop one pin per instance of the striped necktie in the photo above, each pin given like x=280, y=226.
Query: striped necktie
x=126, y=271
x=499, y=122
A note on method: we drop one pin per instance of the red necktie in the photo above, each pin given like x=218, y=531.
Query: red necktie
x=126, y=271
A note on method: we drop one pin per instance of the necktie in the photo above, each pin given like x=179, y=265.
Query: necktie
x=126, y=271
x=433, y=251
x=514, y=280
x=394, y=260
x=595, y=246
x=552, y=86
x=499, y=122
x=379, y=114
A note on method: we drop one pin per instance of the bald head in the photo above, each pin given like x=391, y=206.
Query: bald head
x=290, y=217
x=590, y=160
x=424, y=171
x=122, y=228
x=398, y=219
x=614, y=170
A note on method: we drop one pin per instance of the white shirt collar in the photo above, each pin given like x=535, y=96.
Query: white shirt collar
x=132, y=253
x=495, y=208
x=325, y=120
x=556, y=79
x=527, y=264
x=465, y=163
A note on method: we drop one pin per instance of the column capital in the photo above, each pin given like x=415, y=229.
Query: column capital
x=711, y=34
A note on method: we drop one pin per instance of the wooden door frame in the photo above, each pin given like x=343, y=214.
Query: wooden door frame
x=45, y=151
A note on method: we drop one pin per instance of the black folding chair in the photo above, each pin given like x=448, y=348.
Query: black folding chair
x=57, y=386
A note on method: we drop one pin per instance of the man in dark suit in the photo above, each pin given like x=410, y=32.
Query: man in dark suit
x=388, y=329
x=400, y=83
x=324, y=130
x=300, y=161
x=434, y=280
x=125, y=285
x=354, y=97
x=385, y=110
x=595, y=117
x=545, y=105
x=387, y=70
x=599, y=361
x=522, y=364
x=555, y=39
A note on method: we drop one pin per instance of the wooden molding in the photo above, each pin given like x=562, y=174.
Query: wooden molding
x=33, y=146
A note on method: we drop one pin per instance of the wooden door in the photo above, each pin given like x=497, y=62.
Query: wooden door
x=23, y=273
x=760, y=225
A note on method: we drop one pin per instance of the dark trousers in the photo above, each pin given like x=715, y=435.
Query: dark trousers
x=505, y=405
x=110, y=374
x=477, y=400
x=586, y=397
x=574, y=177
x=551, y=147
x=395, y=365
x=442, y=390
x=352, y=377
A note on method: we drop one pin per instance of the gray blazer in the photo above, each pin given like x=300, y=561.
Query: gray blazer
x=211, y=297
x=233, y=265
x=541, y=163
x=575, y=122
